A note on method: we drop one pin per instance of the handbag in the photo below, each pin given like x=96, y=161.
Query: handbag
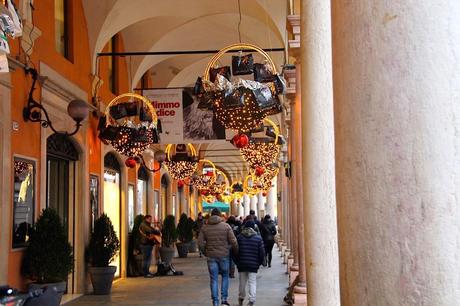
x=223, y=71
x=263, y=73
x=242, y=64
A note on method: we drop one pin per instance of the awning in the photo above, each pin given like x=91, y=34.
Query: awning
x=224, y=207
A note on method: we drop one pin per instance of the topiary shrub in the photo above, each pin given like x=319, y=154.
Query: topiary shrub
x=104, y=243
x=190, y=227
x=169, y=232
x=48, y=258
x=135, y=233
x=182, y=228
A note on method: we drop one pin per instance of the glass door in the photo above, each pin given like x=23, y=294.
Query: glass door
x=112, y=207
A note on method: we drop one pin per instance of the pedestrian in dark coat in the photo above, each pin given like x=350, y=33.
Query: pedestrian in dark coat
x=268, y=232
x=251, y=254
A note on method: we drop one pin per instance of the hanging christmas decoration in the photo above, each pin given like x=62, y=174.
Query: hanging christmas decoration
x=221, y=184
x=241, y=104
x=130, y=162
x=130, y=127
x=240, y=140
x=249, y=186
x=204, y=181
x=20, y=167
x=264, y=182
x=261, y=154
x=182, y=164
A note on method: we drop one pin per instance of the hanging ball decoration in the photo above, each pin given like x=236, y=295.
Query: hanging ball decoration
x=209, y=173
x=260, y=154
x=264, y=194
x=130, y=162
x=240, y=140
x=259, y=171
x=204, y=192
x=180, y=183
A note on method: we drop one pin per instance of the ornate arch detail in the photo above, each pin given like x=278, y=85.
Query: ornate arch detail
x=61, y=146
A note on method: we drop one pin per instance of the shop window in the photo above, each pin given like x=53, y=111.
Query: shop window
x=23, y=200
x=142, y=191
x=130, y=207
x=62, y=28
x=94, y=198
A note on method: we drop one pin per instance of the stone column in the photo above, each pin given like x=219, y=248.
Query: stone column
x=293, y=205
x=240, y=208
x=300, y=289
x=261, y=199
x=272, y=199
x=253, y=205
x=397, y=112
x=319, y=203
x=246, y=203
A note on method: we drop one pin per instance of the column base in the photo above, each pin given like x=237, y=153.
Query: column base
x=292, y=276
x=300, y=299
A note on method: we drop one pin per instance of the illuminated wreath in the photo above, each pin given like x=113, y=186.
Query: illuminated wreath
x=263, y=182
x=249, y=186
x=181, y=165
x=130, y=127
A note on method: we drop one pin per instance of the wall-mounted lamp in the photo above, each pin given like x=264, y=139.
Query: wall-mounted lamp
x=34, y=111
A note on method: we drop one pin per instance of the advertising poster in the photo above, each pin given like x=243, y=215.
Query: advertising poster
x=181, y=119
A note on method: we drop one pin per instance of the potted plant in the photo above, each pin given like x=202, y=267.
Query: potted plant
x=135, y=257
x=184, y=236
x=102, y=249
x=48, y=259
x=168, y=238
x=190, y=230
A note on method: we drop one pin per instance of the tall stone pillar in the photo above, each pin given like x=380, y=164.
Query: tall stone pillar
x=397, y=112
x=240, y=208
x=319, y=203
x=253, y=205
x=246, y=204
x=293, y=205
x=299, y=290
x=272, y=199
x=261, y=205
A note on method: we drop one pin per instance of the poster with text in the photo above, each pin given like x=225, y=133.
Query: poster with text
x=181, y=119
x=168, y=104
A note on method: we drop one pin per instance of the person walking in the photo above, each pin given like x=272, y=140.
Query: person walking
x=147, y=242
x=251, y=254
x=197, y=227
x=268, y=232
x=215, y=240
x=236, y=227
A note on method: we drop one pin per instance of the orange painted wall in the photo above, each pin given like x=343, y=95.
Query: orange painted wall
x=26, y=141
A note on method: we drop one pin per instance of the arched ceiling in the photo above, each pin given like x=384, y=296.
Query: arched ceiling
x=159, y=25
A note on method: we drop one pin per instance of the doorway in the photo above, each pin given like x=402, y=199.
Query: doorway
x=112, y=199
x=61, y=159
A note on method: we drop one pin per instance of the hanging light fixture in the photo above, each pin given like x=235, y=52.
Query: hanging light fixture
x=130, y=127
x=181, y=165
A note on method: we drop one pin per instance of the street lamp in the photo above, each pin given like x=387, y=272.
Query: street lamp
x=77, y=109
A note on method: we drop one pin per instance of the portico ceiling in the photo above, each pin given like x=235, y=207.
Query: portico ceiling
x=159, y=25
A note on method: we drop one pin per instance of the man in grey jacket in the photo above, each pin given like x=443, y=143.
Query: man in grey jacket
x=215, y=240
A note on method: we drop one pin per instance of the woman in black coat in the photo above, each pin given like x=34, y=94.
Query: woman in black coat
x=268, y=233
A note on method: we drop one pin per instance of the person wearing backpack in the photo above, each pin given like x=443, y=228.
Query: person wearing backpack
x=268, y=232
x=251, y=254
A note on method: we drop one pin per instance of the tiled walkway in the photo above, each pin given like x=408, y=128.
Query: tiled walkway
x=192, y=289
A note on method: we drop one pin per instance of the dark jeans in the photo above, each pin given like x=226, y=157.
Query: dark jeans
x=216, y=266
x=268, y=250
x=147, y=254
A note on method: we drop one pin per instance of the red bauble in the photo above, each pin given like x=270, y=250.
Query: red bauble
x=260, y=171
x=240, y=140
x=130, y=162
x=204, y=192
x=209, y=173
x=180, y=183
x=264, y=194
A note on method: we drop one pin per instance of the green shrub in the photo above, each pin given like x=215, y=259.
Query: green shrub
x=190, y=226
x=169, y=232
x=182, y=228
x=135, y=233
x=104, y=244
x=48, y=258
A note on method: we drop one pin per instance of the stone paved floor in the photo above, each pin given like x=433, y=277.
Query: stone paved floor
x=192, y=289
